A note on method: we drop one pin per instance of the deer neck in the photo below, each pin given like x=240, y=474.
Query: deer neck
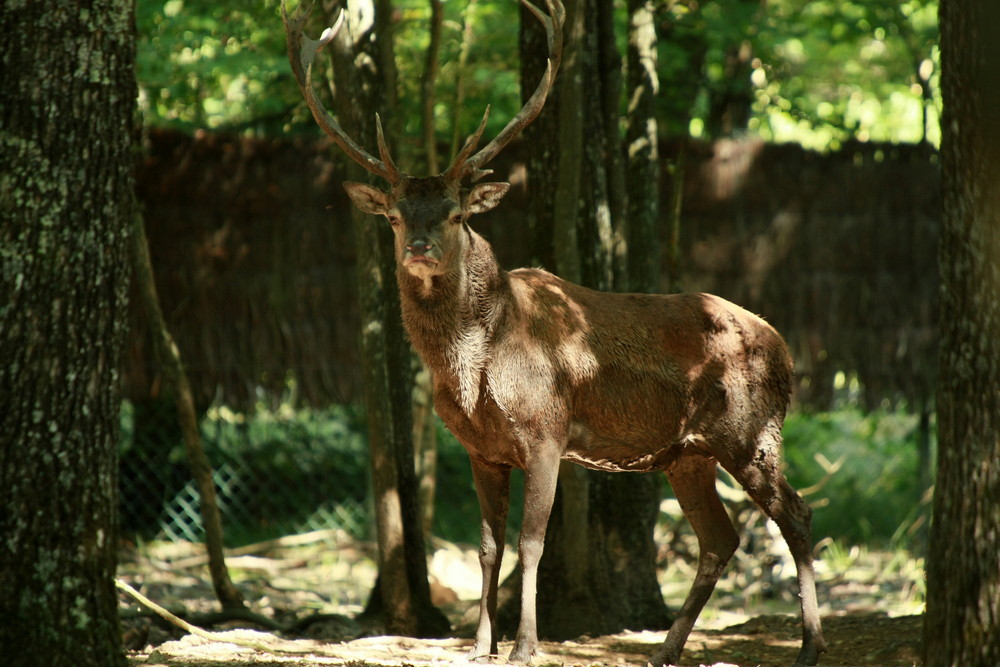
x=451, y=325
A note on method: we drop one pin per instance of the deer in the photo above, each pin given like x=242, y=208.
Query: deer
x=530, y=369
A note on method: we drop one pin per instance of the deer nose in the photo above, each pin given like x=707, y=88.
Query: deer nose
x=419, y=246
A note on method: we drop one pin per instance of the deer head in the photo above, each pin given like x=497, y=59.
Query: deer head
x=426, y=213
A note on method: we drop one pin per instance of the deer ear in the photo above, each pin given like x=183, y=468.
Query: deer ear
x=366, y=198
x=484, y=196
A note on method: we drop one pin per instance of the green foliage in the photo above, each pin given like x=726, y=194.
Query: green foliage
x=205, y=65
x=874, y=496
x=847, y=70
x=202, y=64
x=488, y=77
x=819, y=71
x=277, y=471
x=314, y=446
x=304, y=443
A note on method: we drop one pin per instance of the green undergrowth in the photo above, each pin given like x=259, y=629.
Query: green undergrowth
x=296, y=468
x=861, y=473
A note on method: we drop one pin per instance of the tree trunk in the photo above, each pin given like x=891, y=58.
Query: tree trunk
x=543, y=162
x=68, y=81
x=402, y=593
x=597, y=573
x=570, y=149
x=602, y=196
x=962, y=621
x=425, y=444
x=427, y=97
x=641, y=140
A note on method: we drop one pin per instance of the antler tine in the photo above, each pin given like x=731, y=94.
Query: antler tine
x=473, y=167
x=553, y=22
x=301, y=63
x=383, y=152
x=456, y=170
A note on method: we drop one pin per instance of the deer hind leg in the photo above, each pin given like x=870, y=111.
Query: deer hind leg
x=692, y=478
x=493, y=490
x=766, y=484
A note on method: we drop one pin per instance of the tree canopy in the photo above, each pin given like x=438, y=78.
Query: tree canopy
x=816, y=72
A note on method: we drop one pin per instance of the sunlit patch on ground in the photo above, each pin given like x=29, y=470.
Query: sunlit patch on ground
x=871, y=603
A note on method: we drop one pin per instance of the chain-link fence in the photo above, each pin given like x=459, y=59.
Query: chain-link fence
x=276, y=473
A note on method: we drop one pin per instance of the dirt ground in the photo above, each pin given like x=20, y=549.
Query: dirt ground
x=870, y=606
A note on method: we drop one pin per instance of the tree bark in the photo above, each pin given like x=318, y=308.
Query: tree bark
x=402, y=592
x=642, y=145
x=602, y=197
x=68, y=84
x=609, y=78
x=543, y=162
x=427, y=97
x=570, y=150
x=962, y=621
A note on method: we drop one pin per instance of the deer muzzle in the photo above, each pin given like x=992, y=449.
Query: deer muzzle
x=418, y=248
x=421, y=258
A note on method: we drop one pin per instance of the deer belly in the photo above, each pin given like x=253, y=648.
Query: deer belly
x=623, y=452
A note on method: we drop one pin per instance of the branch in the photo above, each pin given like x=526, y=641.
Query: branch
x=168, y=359
x=222, y=637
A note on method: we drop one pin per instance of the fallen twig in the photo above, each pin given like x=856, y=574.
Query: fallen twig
x=227, y=638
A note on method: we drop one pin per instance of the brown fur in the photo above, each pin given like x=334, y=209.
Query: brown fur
x=530, y=369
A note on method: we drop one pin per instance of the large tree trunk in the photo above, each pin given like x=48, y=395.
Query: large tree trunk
x=402, y=593
x=68, y=81
x=570, y=149
x=597, y=574
x=642, y=143
x=962, y=622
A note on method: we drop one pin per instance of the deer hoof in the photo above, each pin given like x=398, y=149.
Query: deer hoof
x=479, y=655
x=521, y=655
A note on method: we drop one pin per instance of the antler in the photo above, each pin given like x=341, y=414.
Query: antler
x=302, y=69
x=463, y=165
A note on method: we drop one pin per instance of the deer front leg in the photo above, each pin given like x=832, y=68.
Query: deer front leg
x=493, y=490
x=539, y=492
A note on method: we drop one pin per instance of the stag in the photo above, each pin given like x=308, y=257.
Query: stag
x=530, y=369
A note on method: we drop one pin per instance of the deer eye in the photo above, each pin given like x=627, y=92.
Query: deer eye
x=393, y=219
x=455, y=218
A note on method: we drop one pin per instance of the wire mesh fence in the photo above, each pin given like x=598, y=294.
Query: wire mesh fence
x=276, y=473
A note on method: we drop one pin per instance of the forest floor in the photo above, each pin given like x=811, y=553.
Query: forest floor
x=870, y=602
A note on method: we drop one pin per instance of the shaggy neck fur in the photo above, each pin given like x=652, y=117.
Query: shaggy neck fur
x=452, y=324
